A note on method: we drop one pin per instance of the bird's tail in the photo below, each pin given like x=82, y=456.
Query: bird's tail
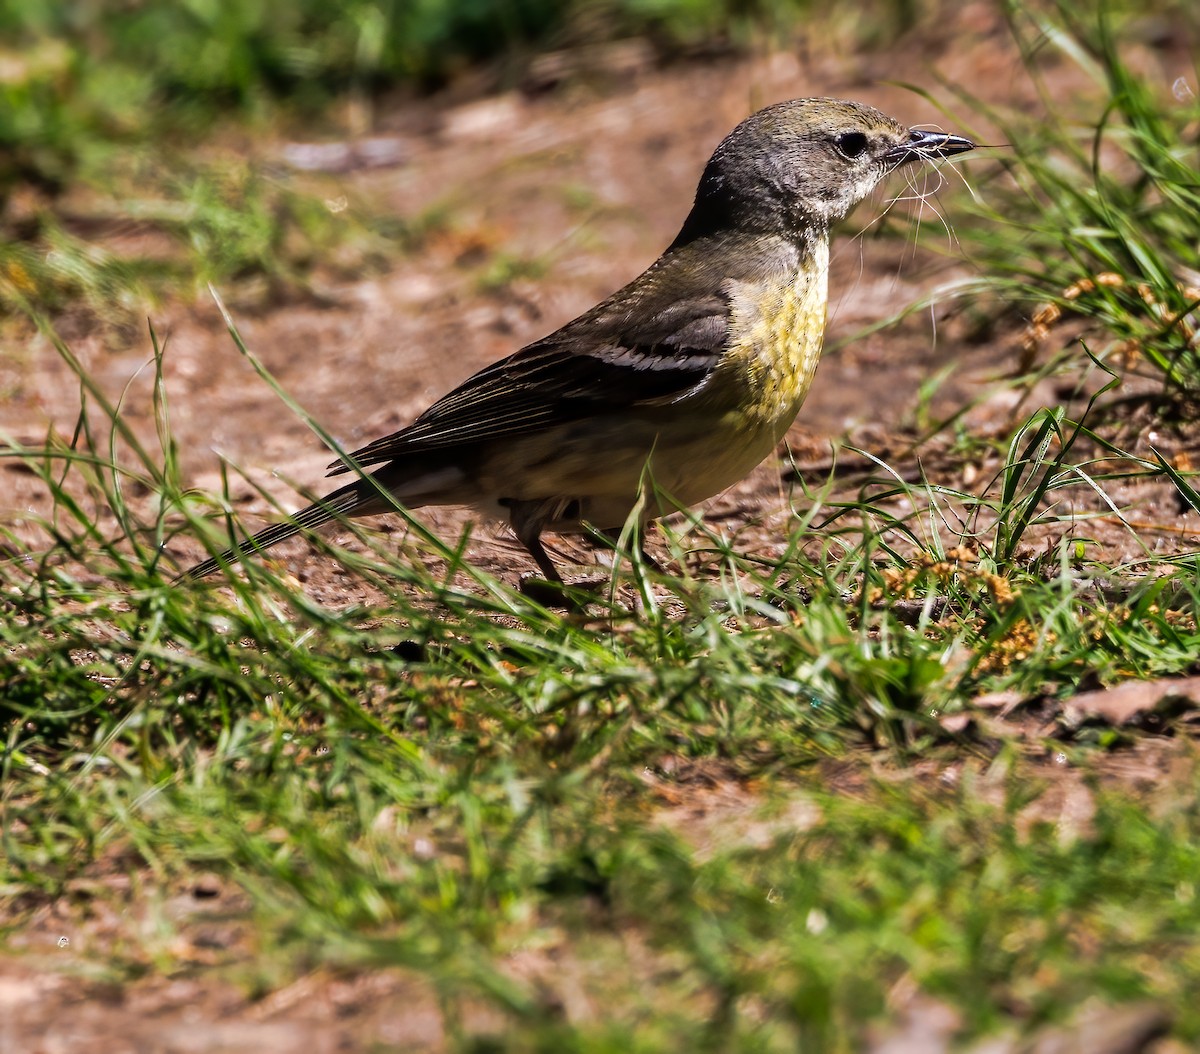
x=354, y=499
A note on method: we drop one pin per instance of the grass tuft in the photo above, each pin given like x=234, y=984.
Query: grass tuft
x=1095, y=234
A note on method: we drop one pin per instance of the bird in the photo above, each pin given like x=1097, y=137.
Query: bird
x=674, y=387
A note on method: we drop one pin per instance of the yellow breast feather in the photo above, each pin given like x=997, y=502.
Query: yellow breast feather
x=777, y=327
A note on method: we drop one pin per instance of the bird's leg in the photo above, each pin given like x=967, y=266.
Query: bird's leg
x=542, y=558
x=528, y=519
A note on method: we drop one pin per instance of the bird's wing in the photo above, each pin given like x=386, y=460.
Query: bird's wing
x=621, y=354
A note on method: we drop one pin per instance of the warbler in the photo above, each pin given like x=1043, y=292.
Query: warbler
x=687, y=377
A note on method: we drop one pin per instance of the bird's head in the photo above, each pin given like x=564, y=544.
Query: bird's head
x=804, y=164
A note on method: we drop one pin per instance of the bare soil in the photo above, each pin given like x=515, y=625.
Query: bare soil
x=589, y=182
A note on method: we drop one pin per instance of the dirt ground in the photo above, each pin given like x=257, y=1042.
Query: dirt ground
x=591, y=181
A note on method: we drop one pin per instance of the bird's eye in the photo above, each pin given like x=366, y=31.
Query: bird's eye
x=852, y=144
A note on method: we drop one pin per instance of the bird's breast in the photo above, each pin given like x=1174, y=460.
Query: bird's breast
x=777, y=327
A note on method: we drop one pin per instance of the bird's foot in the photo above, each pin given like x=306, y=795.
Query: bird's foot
x=574, y=596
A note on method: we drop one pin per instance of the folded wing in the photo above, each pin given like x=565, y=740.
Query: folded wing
x=600, y=363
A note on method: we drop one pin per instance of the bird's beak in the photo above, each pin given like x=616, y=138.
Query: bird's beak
x=925, y=146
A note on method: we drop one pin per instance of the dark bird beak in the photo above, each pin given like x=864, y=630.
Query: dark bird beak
x=925, y=146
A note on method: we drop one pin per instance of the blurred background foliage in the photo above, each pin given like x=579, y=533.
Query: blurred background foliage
x=75, y=74
x=75, y=69
x=113, y=97
x=210, y=52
